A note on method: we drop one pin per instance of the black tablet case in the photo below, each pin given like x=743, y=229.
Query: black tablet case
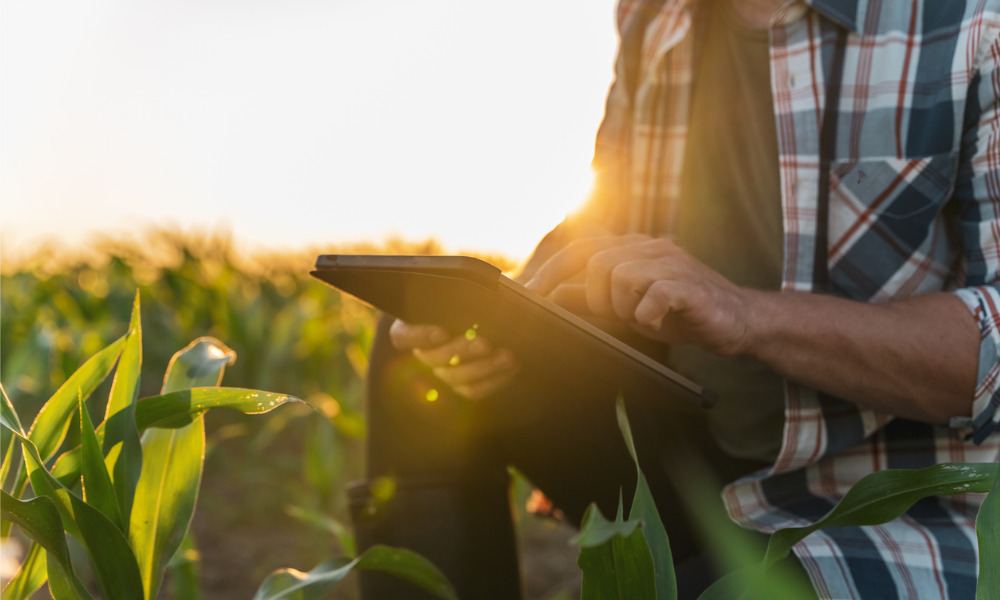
x=465, y=294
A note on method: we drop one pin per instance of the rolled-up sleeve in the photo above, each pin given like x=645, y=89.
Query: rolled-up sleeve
x=984, y=302
x=978, y=197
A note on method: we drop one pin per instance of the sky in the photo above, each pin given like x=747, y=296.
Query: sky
x=300, y=122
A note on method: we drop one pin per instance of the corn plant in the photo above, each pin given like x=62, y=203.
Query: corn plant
x=127, y=492
x=630, y=558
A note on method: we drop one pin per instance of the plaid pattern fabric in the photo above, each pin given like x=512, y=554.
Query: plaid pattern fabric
x=913, y=206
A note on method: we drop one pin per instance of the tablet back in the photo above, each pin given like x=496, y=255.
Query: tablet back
x=467, y=296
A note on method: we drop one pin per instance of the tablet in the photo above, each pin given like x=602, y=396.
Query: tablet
x=471, y=297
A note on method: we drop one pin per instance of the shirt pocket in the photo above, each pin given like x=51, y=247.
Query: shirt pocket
x=888, y=234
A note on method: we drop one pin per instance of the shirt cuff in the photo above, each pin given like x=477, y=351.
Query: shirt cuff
x=984, y=304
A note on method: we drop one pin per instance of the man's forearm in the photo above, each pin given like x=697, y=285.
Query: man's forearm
x=916, y=358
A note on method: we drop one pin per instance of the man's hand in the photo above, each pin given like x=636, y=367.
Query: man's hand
x=914, y=357
x=651, y=285
x=472, y=367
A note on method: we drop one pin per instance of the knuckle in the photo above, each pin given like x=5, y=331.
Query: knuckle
x=659, y=288
x=661, y=245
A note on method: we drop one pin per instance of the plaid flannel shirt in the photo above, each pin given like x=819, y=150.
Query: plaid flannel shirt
x=913, y=206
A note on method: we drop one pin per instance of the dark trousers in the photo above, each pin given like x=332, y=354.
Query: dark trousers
x=442, y=464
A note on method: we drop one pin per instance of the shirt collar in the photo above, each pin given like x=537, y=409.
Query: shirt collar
x=839, y=12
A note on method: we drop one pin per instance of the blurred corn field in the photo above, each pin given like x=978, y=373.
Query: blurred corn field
x=273, y=488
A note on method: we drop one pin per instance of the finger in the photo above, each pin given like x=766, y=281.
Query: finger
x=458, y=350
x=627, y=286
x=662, y=298
x=478, y=378
x=616, y=263
x=480, y=388
x=487, y=387
x=569, y=261
x=407, y=336
x=572, y=297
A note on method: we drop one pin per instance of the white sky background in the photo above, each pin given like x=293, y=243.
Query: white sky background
x=299, y=122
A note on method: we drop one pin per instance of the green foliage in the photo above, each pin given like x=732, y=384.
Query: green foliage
x=91, y=498
x=988, y=534
x=627, y=559
x=882, y=496
x=288, y=584
x=615, y=556
x=291, y=333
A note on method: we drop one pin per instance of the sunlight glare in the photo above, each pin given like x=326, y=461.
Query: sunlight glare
x=287, y=124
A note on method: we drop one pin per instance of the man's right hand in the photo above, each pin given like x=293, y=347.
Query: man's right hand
x=469, y=364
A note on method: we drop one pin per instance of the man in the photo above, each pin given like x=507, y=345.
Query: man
x=800, y=202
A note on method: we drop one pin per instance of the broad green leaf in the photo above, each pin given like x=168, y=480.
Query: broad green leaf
x=292, y=584
x=172, y=462
x=98, y=491
x=988, y=533
x=407, y=565
x=39, y=519
x=201, y=363
x=113, y=561
x=30, y=577
x=884, y=495
x=289, y=584
x=49, y=429
x=620, y=566
x=165, y=497
x=10, y=421
x=8, y=416
x=121, y=444
x=596, y=530
x=178, y=409
x=644, y=509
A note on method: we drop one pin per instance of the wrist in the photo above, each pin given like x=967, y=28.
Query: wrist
x=757, y=323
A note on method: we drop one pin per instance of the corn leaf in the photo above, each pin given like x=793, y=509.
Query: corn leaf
x=109, y=552
x=172, y=462
x=174, y=410
x=98, y=491
x=165, y=497
x=30, y=577
x=121, y=444
x=181, y=408
x=39, y=519
x=884, y=495
x=8, y=416
x=201, y=363
x=988, y=533
x=644, y=509
x=49, y=429
x=289, y=584
x=9, y=419
x=615, y=558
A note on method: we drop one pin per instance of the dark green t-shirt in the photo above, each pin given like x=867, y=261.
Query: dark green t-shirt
x=729, y=216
